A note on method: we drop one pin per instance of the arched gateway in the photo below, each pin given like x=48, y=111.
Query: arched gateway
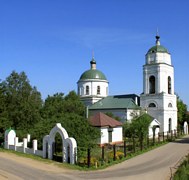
x=69, y=145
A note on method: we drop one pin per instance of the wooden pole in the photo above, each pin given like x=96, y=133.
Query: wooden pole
x=89, y=157
x=125, y=153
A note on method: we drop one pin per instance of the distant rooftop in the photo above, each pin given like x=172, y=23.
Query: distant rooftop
x=116, y=102
x=102, y=120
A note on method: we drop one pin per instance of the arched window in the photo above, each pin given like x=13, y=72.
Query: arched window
x=98, y=90
x=169, y=125
x=169, y=85
x=87, y=90
x=152, y=105
x=152, y=85
x=170, y=105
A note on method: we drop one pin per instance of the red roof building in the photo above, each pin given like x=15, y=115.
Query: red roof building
x=111, y=129
x=102, y=120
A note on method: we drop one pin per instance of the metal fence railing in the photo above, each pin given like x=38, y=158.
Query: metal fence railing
x=98, y=156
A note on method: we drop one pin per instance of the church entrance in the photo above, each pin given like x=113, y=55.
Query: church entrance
x=57, y=148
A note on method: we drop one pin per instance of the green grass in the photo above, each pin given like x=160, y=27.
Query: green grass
x=183, y=171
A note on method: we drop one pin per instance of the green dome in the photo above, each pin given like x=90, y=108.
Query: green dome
x=93, y=74
x=158, y=48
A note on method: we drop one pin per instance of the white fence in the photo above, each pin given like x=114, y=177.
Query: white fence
x=23, y=146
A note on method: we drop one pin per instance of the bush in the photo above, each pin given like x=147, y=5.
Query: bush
x=83, y=161
x=118, y=155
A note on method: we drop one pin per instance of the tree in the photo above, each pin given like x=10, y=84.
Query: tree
x=182, y=111
x=21, y=103
x=53, y=106
x=4, y=122
x=70, y=112
x=138, y=128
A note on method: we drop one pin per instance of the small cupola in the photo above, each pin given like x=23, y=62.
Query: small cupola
x=93, y=63
x=157, y=40
x=157, y=48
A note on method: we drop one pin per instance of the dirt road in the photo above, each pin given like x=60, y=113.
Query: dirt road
x=151, y=165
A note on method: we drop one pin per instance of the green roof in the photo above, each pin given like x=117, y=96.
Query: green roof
x=158, y=48
x=93, y=74
x=115, y=102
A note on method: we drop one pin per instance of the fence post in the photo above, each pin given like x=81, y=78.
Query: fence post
x=171, y=135
x=163, y=137
x=103, y=153
x=88, y=157
x=158, y=137
x=175, y=133
x=133, y=145
x=24, y=145
x=114, y=149
x=148, y=140
x=153, y=137
x=125, y=153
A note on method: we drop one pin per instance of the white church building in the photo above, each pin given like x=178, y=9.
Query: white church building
x=158, y=98
x=92, y=85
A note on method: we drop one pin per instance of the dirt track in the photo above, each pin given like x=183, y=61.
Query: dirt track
x=154, y=165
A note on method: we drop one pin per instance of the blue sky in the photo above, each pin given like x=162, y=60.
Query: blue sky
x=52, y=41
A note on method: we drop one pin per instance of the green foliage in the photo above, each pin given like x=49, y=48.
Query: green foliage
x=53, y=106
x=138, y=127
x=182, y=172
x=20, y=103
x=110, y=114
x=22, y=108
x=70, y=112
x=182, y=111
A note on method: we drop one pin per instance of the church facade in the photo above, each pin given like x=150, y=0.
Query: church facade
x=158, y=98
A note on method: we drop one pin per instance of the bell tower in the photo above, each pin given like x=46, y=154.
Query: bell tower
x=158, y=96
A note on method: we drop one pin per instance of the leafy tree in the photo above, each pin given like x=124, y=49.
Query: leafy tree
x=4, y=122
x=70, y=112
x=53, y=106
x=182, y=111
x=138, y=128
x=21, y=103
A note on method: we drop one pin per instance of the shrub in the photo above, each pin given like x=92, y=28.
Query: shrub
x=83, y=161
x=118, y=155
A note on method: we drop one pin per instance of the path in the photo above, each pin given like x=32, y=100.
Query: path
x=151, y=165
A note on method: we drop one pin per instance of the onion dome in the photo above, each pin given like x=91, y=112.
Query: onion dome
x=157, y=48
x=93, y=73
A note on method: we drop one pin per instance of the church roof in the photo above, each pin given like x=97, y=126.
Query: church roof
x=157, y=47
x=93, y=73
x=102, y=120
x=115, y=102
